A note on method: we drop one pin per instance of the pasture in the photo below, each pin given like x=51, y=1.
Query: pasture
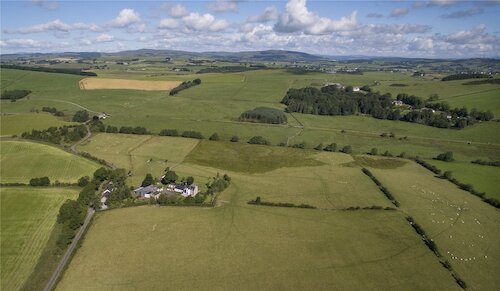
x=139, y=154
x=28, y=216
x=23, y=160
x=105, y=83
x=16, y=124
x=464, y=228
x=484, y=178
x=246, y=247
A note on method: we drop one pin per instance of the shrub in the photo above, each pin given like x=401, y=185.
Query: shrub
x=347, y=149
x=81, y=116
x=264, y=115
x=331, y=147
x=234, y=138
x=214, y=136
x=447, y=157
x=83, y=181
x=40, y=182
x=259, y=140
x=169, y=132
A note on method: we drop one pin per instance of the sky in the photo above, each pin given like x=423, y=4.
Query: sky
x=433, y=29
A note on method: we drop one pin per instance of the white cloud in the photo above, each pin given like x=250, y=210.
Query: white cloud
x=442, y=2
x=56, y=26
x=50, y=5
x=269, y=14
x=168, y=23
x=197, y=22
x=104, y=38
x=126, y=17
x=297, y=18
x=223, y=6
x=396, y=12
x=421, y=44
x=22, y=43
x=177, y=10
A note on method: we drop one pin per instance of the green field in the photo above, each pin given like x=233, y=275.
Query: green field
x=464, y=228
x=23, y=160
x=484, y=178
x=28, y=216
x=216, y=104
x=16, y=124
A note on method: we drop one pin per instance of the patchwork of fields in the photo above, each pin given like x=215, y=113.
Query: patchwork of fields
x=267, y=247
x=23, y=160
x=236, y=244
x=28, y=216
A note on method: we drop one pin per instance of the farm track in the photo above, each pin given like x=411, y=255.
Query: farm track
x=72, y=103
x=67, y=255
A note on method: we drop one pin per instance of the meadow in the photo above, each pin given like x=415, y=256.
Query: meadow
x=28, y=216
x=16, y=124
x=484, y=178
x=107, y=83
x=23, y=160
x=464, y=228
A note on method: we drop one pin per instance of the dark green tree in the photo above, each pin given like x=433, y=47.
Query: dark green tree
x=148, y=180
x=170, y=177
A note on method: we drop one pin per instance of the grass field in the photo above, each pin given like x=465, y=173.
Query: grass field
x=107, y=83
x=28, y=216
x=23, y=160
x=243, y=247
x=484, y=178
x=18, y=123
x=464, y=228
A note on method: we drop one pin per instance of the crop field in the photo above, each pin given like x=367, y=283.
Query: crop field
x=464, y=228
x=28, y=216
x=16, y=124
x=23, y=160
x=484, y=178
x=105, y=83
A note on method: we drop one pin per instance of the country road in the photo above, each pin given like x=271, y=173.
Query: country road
x=89, y=133
x=64, y=260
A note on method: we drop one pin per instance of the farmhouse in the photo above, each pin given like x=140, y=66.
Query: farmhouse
x=148, y=191
x=184, y=190
x=355, y=89
x=397, y=103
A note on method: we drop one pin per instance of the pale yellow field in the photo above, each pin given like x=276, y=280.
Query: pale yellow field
x=104, y=83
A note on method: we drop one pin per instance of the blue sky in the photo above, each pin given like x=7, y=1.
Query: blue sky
x=436, y=28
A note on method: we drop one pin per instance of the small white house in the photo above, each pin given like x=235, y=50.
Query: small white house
x=397, y=103
x=355, y=89
x=184, y=190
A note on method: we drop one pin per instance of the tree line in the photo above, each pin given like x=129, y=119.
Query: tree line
x=14, y=95
x=331, y=100
x=53, y=111
x=264, y=115
x=383, y=189
x=51, y=70
x=184, y=85
x=258, y=201
x=57, y=135
x=465, y=76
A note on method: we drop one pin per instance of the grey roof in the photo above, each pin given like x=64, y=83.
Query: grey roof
x=146, y=190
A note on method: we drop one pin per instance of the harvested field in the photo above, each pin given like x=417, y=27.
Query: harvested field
x=104, y=83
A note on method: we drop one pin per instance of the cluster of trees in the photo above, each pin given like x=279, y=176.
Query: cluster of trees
x=133, y=130
x=258, y=201
x=81, y=116
x=330, y=100
x=447, y=157
x=384, y=190
x=259, y=140
x=57, y=135
x=13, y=95
x=465, y=76
x=487, y=163
x=42, y=182
x=264, y=115
x=51, y=70
x=184, y=85
x=53, y=111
